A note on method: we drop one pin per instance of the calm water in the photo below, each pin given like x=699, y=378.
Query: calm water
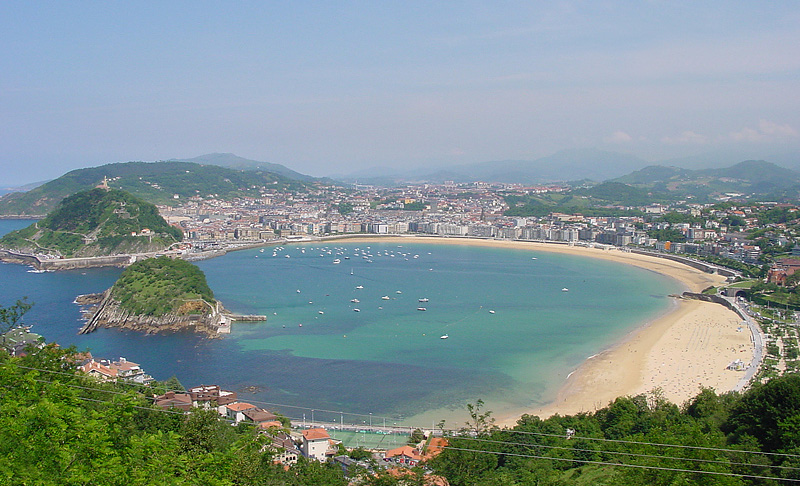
x=388, y=358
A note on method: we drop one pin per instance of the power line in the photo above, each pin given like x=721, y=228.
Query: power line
x=533, y=456
x=633, y=454
x=637, y=466
x=351, y=414
x=680, y=446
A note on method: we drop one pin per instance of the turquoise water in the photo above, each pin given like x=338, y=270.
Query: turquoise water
x=388, y=358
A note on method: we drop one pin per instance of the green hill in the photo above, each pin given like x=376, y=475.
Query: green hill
x=157, y=286
x=752, y=177
x=155, y=182
x=93, y=223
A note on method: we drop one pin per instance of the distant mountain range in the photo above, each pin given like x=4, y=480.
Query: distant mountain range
x=233, y=161
x=748, y=177
x=227, y=176
x=563, y=166
x=567, y=165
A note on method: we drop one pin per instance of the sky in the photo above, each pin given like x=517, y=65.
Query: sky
x=336, y=87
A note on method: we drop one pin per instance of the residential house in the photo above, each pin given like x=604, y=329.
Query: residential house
x=171, y=399
x=403, y=455
x=315, y=443
x=211, y=396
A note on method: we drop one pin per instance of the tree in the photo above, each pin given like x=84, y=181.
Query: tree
x=416, y=437
x=10, y=316
x=481, y=423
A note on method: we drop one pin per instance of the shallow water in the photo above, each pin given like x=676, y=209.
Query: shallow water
x=389, y=358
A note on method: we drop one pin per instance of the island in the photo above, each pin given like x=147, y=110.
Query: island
x=159, y=295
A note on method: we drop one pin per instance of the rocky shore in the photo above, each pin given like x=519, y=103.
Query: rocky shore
x=103, y=311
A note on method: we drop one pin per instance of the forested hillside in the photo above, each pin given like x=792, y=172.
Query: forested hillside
x=157, y=286
x=60, y=427
x=96, y=222
x=155, y=182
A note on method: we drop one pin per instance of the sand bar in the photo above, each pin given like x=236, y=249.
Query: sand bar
x=688, y=347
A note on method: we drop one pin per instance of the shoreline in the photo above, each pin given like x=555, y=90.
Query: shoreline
x=686, y=347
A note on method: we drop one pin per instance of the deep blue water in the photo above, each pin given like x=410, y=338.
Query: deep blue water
x=389, y=357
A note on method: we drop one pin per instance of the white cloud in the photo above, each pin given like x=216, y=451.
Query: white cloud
x=767, y=131
x=618, y=137
x=687, y=137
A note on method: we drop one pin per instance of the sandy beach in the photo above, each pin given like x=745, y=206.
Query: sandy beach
x=685, y=349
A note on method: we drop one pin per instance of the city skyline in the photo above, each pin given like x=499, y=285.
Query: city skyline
x=336, y=88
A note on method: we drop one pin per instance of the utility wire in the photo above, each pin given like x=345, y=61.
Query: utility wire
x=533, y=456
x=676, y=446
x=620, y=453
x=680, y=446
x=616, y=464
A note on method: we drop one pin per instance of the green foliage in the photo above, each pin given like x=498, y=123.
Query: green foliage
x=344, y=208
x=415, y=206
x=157, y=286
x=770, y=413
x=666, y=234
x=416, y=437
x=96, y=222
x=154, y=182
x=619, y=194
x=66, y=428
x=11, y=316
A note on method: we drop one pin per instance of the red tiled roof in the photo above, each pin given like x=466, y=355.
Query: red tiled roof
x=316, y=434
x=406, y=451
x=240, y=406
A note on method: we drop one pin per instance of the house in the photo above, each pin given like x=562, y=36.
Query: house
x=211, y=396
x=99, y=371
x=783, y=268
x=315, y=443
x=287, y=451
x=235, y=411
x=403, y=455
x=259, y=416
x=130, y=371
x=171, y=399
x=18, y=339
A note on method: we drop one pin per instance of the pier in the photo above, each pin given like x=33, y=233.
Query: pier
x=247, y=318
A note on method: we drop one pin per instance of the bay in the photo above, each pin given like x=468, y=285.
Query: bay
x=388, y=358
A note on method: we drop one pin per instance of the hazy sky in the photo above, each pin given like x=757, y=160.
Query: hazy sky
x=326, y=87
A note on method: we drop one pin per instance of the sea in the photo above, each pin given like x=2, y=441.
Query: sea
x=374, y=330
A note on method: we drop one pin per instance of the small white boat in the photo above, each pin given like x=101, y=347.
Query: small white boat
x=565, y=289
x=321, y=312
x=355, y=301
x=356, y=310
x=534, y=258
x=385, y=297
x=261, y=250
x=424, y=299
x=398, y=292
x=299, y=325
x=491, y=312
x=287, y=256
x=444, y=336
x=337, y=261
x=360, y=287
x=421, y=309
x=298, y=291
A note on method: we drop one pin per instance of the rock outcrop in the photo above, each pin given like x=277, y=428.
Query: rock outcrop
x=107, y=312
